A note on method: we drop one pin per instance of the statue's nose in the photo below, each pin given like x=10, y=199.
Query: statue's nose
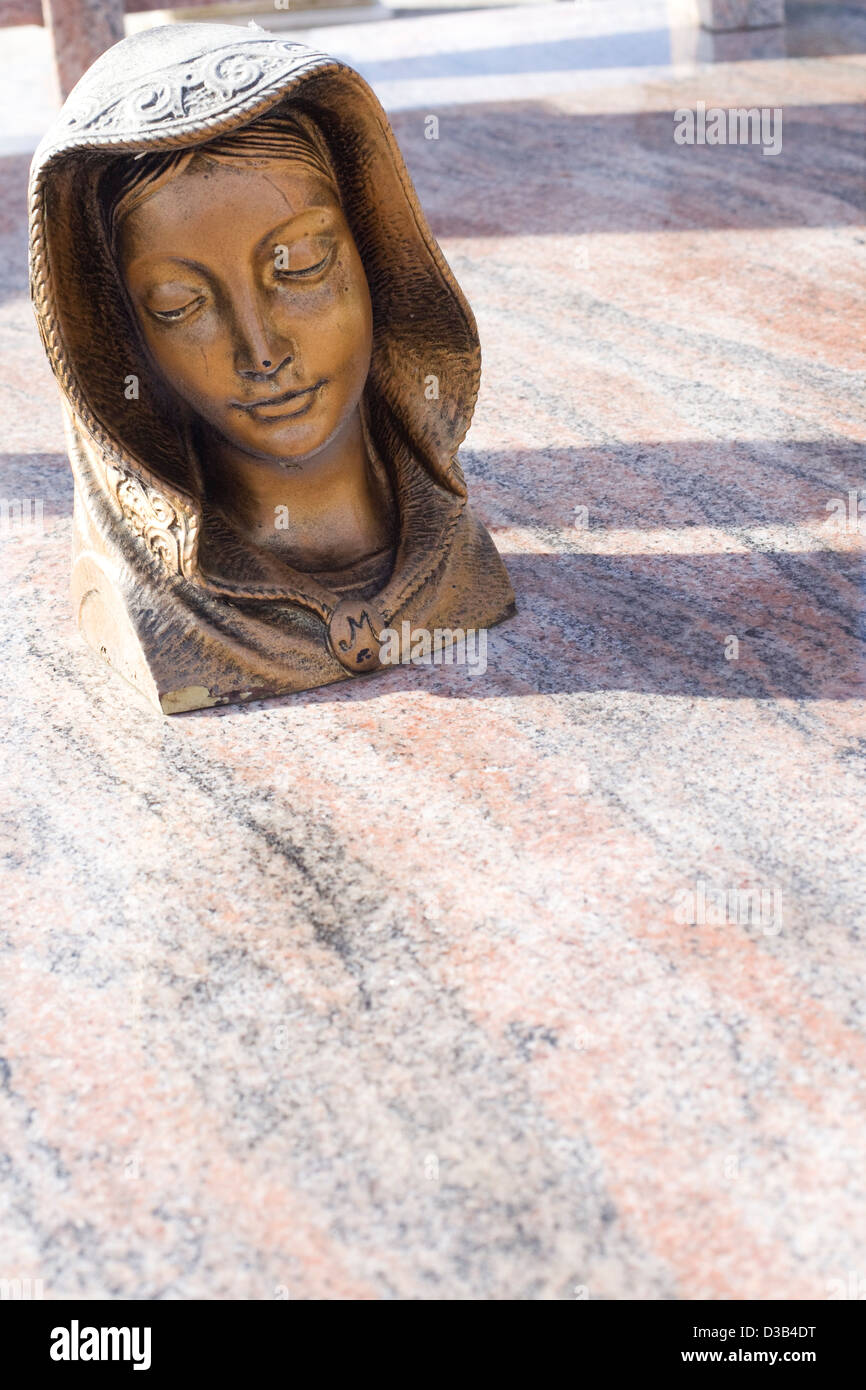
x=257, y=348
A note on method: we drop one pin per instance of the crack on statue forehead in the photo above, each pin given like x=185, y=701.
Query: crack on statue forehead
x=279, y=137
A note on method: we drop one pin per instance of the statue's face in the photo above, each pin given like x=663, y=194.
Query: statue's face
x=253, y=302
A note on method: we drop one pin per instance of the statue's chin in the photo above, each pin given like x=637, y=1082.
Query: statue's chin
x=282, y=442
x=293, y=442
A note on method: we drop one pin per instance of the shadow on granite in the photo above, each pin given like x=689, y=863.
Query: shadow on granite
x=686, y=546
x=580, y=175
x=14, y=171
x=656, y=626
x=825, y=29
x=642, y=485
x=650, y=483
x=588, y=173
x=44, y=477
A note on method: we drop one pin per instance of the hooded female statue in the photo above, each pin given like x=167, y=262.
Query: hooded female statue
x=267, y=369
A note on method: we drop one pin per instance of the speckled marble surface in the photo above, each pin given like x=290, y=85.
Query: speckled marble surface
x=387, y=991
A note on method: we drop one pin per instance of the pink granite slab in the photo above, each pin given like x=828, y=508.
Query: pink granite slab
x=386, y=991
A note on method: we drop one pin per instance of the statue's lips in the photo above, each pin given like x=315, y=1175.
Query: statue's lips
x=274, y=407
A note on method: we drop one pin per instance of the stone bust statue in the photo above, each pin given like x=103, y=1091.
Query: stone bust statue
x=266, y=365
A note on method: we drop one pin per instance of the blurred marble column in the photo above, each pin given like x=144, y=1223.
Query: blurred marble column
x=80, y=30
x=741, y=14
x=20, y=12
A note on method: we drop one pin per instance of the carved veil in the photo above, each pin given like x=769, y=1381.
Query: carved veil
x=174, y=602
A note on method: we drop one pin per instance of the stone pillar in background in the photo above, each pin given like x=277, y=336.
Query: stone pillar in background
x=21, y=12
x=741, y=14
x=80, y=30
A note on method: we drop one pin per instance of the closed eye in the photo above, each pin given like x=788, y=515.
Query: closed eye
x=306, y=271
x=172, y=315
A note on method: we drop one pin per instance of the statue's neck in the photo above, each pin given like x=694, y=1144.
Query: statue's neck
x=328, y=512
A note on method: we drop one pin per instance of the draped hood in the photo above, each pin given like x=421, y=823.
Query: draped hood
x=176, y=87
x=181, y=85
